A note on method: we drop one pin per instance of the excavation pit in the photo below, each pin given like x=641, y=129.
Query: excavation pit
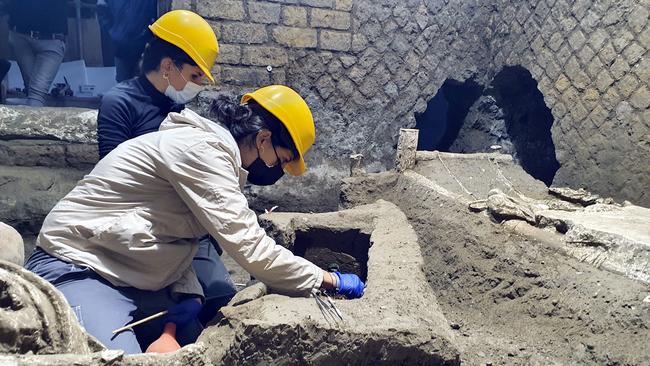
x=345, y=251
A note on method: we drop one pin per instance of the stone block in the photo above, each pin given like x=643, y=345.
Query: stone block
x=359, y=42
x=81, y=156
x=611, y=98
x=324, y=18
x=562, y=83
x=619, y=68
x=607, y=53
x=32, y=153
x=598, y=115
x=348, y=61
x=278, y=76
x=264, y=56
x=248, y=76
x=244, y=33
x=216, y=27
x=294, y=16
x=318, y=3
x=638, y=18
x=556, y=41
x=523, y=14
x=577, y=39
x=642, y=70
x=597, y=38
x=225, y=9
x=644, y=37
x=66, y=124
x=345, y=5
x=295, y=37
x=590, y=98
x=335, y=69
x=559, y=110
x=622, y=39
x=633, y=53
x=627, y=85
x=594, y=68
x=335, y=41
x=578, y=112
x=182, y=4
x=325, y=86
x=229, y=54
x=375, y=81
x=586, y=54
x=345, y=86
x=563, y=54
x=266, y=13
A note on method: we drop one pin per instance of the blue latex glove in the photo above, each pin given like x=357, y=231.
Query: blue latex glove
x=350, y=285
x=184, y=312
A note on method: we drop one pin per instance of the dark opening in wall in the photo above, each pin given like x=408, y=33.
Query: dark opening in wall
x=528, y=121
x=442, y=120
x=510, y=113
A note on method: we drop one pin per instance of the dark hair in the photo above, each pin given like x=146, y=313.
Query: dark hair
x=244, y=121
x=156, y=50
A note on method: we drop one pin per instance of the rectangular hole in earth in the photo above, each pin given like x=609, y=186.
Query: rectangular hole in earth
x=346, y=248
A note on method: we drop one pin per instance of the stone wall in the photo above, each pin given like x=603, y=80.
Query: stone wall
x=43, y=153
x=368, y=66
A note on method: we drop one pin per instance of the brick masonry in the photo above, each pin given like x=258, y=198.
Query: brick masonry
x=368, y=66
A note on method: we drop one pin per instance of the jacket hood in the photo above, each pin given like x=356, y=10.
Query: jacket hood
x=188, y=117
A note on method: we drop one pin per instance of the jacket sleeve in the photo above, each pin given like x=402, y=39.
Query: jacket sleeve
x=188, y=284
x=206, y=178
x=113, y=123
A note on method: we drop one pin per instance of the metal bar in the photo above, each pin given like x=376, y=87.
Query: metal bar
x=79, y=40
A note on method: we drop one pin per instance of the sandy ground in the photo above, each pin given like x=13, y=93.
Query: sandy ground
x=516, y=301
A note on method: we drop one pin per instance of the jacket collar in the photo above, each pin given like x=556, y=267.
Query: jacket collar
x=158, y=98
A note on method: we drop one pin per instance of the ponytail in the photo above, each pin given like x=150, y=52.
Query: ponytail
x=244, y=121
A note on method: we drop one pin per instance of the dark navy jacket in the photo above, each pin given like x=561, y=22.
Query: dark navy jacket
x=130, y=109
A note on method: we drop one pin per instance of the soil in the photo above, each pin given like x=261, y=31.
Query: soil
x=510, y=299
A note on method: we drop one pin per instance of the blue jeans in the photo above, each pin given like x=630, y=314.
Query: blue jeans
x=102, y=307
x=39, y=61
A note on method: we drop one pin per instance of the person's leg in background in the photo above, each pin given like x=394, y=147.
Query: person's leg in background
x=213, y=275
x=24, y=53
x=4, y=68
x=49, y=55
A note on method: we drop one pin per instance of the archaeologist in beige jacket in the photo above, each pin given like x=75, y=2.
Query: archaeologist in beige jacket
x=120, y=244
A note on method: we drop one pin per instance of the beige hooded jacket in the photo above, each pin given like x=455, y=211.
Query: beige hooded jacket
x=135, y=218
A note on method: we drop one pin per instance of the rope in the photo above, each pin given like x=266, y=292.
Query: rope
x=453, y=176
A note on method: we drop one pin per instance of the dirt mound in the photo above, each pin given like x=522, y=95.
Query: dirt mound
x=513, y=300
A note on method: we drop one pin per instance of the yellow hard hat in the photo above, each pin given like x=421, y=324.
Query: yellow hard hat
x=192, y=34
x=289, y=107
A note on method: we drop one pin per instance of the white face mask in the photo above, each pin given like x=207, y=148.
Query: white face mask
x=182, y=96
